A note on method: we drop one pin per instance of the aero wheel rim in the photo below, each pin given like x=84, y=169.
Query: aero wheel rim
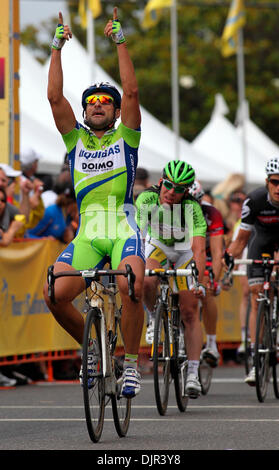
x=161, y=360
x=93, y=389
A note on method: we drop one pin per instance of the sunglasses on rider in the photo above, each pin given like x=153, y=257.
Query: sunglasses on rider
x=104, y=99
x=178, y=189
x=273, y=181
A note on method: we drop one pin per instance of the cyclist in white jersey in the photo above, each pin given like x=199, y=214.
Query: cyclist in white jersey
x=103, y=162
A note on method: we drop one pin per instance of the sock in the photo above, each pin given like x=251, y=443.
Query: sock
x=211, y=342
x=193, y=367
x=243, y=334
x=131, y=360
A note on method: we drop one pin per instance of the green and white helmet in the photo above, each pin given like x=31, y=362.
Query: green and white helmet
x=179, y=172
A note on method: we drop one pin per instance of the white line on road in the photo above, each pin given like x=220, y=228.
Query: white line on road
x=61, y=407
x=237, y=420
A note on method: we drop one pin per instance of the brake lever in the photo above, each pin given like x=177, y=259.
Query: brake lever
x=131, y=277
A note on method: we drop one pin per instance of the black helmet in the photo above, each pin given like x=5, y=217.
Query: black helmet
x=106, y=87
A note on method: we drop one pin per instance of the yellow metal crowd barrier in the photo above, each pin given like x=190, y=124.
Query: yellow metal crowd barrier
x=26, y=325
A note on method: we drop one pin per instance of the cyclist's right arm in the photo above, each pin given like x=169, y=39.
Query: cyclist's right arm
x=61, y=109
x=236, y=247
x=248, y=217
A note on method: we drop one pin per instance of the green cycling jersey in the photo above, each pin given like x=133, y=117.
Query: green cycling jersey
x=169, y=224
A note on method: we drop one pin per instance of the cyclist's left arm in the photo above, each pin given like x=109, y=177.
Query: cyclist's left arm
x=130, y=108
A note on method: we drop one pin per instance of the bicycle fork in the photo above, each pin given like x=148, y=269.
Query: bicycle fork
x=97, y=302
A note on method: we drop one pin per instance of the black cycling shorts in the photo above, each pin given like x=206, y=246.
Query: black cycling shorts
x=258, y=244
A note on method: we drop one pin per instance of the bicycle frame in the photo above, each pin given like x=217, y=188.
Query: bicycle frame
x=104, y=324
x=97, y=301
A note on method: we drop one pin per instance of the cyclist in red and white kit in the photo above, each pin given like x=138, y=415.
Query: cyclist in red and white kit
x=214, y=254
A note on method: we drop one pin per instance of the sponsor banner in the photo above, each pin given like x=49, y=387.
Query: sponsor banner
x=26, y=325
x=4, y=80
x=228, y=304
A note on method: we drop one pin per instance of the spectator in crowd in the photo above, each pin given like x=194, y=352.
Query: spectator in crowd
x=221, y=193
x=141, y=181
x=60, y=219
x=48, y=195
x=8, y=179
x=236, y=201
x=9, y=226
x=142, y=177
x=29, y=165
x=207, y=197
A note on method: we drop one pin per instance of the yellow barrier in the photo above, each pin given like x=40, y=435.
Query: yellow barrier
x=26, y=325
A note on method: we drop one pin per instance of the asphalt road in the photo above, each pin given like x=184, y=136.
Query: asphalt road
x=51, y=417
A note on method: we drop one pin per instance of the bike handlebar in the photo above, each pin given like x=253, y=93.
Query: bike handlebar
x=95, y=275
x=160, y=272
x=231, y=262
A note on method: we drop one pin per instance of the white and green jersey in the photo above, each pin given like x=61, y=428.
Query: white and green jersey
x=103, y=173
x=103, y=170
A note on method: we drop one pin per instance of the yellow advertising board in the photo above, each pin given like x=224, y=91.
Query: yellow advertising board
x=26, y=325
x=4, y=80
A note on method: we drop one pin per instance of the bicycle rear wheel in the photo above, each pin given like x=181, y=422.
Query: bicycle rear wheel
x=94, y=397
x=205, y=376
x=161, y=358
x=121, y=406
x=262, y=351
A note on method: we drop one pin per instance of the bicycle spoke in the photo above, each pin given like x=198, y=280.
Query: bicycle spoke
x=93, y=388
x=161, y=359
x=121, y=406
x=262, y=351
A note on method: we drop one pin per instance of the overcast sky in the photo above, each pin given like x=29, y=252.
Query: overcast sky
x=35, y=11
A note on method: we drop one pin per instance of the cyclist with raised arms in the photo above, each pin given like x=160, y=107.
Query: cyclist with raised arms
x=260, y=217
x=214, y=255
x=175, y=230
x=103, y=161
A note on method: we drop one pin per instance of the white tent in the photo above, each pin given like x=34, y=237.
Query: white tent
x=37, y=128
x=221, y=141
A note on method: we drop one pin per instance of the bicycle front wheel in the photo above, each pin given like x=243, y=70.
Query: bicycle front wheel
x=205, y=376
x=275, y=343
x=262, y=351
x=179, y=365
x=93, y=387
x=161, y=358
x=121, y=406
x=247, y=355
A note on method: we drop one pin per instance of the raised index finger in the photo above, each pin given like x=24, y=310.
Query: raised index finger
x=115, y=13
x=60, y=18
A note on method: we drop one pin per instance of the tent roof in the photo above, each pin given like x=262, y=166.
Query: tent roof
x=222, y=142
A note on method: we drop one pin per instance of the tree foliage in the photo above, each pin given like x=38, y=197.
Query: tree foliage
x=199, y=32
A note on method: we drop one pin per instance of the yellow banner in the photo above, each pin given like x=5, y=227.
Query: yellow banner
x=4, y=80
x=26, y=325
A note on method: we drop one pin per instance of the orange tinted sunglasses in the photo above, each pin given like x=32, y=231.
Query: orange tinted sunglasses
x=104, y=99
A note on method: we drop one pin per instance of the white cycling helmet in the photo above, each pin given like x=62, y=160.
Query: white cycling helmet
x=272, y=167
x=196, y=190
